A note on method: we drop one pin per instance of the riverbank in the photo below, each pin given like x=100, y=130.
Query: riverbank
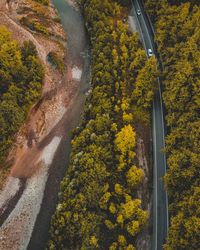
x=40, y=138
x=36, y=121
x=99, y=199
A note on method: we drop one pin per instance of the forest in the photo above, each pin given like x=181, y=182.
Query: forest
x=98, y=206
x=21, y=77
x=178, y=35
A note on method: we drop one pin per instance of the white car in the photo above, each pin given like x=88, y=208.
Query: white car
x=149, y=52
x=138, y=12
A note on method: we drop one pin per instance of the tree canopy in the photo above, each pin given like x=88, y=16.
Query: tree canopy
x=178, y=37
x=21, y=77
x=98, y=205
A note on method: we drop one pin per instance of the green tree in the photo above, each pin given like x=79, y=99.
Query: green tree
x=28, y=49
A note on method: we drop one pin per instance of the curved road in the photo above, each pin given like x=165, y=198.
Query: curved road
x=160, y=202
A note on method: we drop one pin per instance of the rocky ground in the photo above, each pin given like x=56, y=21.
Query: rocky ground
x=37, y=119
x=40, y=136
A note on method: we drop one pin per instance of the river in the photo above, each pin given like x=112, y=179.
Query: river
x=77, y=55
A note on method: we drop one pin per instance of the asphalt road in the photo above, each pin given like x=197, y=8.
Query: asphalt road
x=160, y=202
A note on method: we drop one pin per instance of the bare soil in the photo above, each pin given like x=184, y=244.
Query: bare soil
x=46, y=121
x=144, y=161
x=42, y=113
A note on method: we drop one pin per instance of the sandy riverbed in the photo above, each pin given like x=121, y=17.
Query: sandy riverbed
x=45, y=125
x=37, y=140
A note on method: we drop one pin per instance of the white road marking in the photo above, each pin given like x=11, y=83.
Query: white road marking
x=163, y=142
x=155, y=167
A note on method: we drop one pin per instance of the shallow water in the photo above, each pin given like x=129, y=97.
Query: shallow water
x=73, y=24
x=77, y=47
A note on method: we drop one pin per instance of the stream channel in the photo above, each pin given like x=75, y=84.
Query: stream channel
x=77, y=55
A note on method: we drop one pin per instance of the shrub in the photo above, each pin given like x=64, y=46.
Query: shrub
x=57, y=61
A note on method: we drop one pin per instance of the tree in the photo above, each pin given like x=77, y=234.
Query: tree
x=28, y=49
x=20, y=84
x=134, y=176
x=184, y=232
x=146, y=84
x=96, y=202
x=5, y=36
x=125, y=140
x=178, y=45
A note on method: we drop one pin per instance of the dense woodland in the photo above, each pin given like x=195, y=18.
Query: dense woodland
x=178, y=35
x=21, y=77
x=98, y=206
